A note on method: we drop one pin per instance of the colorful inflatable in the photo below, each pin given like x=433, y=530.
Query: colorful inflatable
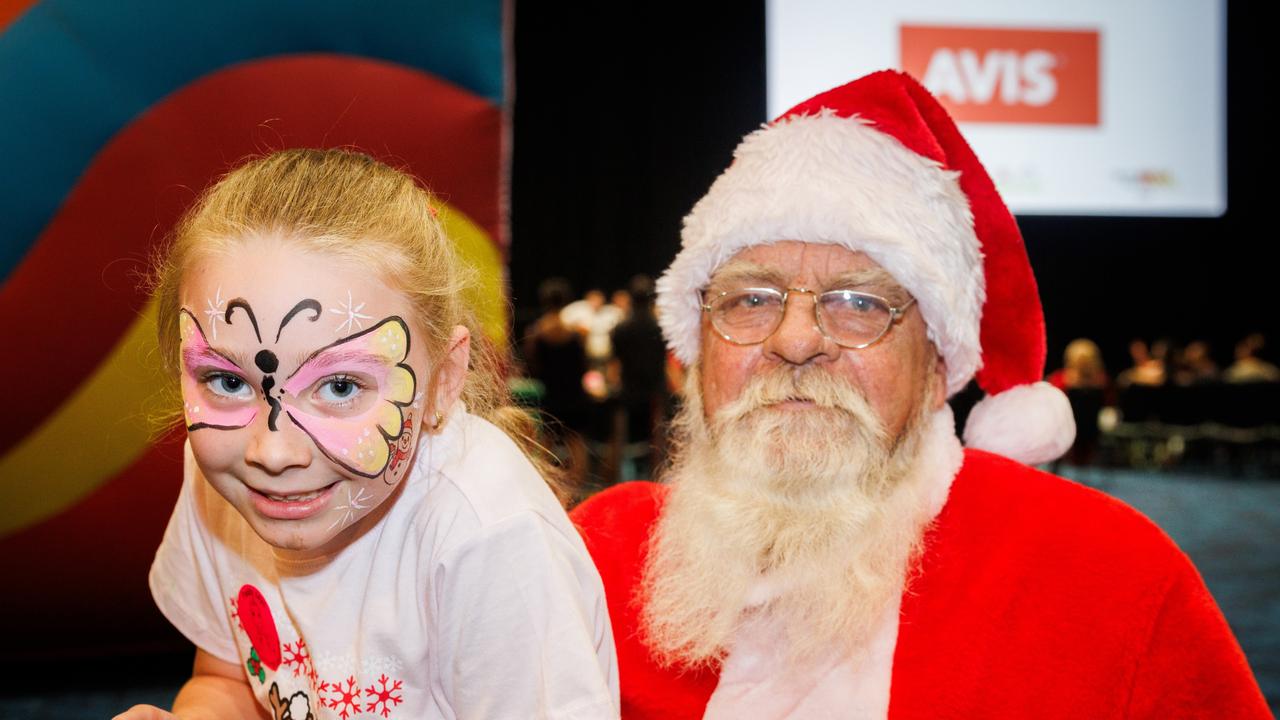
x=113, y=116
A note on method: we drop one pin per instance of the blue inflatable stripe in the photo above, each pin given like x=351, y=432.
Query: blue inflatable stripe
x=74, y=72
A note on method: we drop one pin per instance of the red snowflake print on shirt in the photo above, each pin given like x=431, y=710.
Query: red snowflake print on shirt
x=345, y=696
x=298, y=658
x=383, y=695
x=235, y=613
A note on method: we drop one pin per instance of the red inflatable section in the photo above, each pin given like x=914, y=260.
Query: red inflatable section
x=100, y=548
x=77, y=290
x=11, y=9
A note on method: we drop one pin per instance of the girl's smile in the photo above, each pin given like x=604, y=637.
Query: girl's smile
x=298, y=506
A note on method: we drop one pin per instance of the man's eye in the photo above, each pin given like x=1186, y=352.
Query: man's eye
x=750, y=301
x=853, y=303
x=229, y=386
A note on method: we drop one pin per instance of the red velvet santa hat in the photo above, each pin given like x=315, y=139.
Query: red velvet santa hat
x=879, y=167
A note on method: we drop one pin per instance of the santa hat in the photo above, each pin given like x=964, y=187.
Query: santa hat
x=878, y=166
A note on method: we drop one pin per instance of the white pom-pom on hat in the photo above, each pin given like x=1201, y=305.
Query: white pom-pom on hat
x=1029, y=423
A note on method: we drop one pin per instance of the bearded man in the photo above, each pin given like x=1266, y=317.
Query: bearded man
x=822, y=546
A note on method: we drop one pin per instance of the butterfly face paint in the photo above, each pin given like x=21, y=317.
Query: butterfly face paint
x=303, y=418
x=356, y=435
x=349, y=398
x=214, y=391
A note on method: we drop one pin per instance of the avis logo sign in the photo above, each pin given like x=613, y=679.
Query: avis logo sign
x=1007, y=75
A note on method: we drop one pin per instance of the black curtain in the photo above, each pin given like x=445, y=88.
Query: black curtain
x=625, y=113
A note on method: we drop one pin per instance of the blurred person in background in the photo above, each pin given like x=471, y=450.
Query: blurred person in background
x=1248, y=367
x=1148, y=364
x=1194, y=365
x=1082, y=367
x=595, y=319
x=639, y=362
x=1083, y=377
x=555, y=355
x=621, y=301
x=578, y=313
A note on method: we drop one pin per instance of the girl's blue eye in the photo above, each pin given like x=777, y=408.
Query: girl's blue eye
x=338, y=391
x=229, y=386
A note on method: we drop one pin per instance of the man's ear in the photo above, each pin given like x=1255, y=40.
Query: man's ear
x=450, y=376
x=938, y=382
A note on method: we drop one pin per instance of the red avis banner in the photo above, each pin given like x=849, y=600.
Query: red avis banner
x=1007, y=75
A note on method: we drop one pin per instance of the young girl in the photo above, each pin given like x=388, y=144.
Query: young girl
x=359, y=532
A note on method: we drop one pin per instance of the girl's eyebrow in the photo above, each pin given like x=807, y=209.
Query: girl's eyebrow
x=193, y=357
x=333, y=357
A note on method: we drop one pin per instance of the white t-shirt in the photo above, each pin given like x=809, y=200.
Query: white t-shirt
x=473, y=597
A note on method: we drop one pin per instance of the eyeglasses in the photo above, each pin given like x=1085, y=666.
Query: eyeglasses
x=849, y=318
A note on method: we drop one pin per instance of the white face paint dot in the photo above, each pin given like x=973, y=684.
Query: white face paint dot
x=344, y=451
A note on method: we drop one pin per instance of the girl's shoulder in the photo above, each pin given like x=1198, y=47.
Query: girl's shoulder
x=472, y=478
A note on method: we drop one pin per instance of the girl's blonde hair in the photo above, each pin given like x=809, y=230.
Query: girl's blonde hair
x=348, y=206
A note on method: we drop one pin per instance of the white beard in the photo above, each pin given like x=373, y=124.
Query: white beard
x=815, y=504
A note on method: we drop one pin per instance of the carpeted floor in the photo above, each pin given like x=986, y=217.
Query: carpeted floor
x=1231, y=530
x=1229, y=527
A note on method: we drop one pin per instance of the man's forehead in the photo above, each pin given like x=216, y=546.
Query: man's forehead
x=796, y=263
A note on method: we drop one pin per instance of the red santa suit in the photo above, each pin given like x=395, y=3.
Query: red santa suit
x=1035, y=597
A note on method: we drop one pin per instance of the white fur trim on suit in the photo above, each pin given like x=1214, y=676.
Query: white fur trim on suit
x=835, y=180
x=1029, y=423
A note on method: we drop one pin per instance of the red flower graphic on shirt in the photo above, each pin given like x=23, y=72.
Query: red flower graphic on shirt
x=383, y=696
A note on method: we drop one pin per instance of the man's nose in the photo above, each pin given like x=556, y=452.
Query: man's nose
x=276, y=451
x=798, y=340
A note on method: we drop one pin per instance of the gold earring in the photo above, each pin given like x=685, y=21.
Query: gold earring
x=439, y=421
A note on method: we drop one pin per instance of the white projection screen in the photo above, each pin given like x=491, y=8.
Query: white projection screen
x=1090, y=107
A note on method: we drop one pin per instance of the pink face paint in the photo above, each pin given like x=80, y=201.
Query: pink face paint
x=336, y=361
x=360, y=443
x=202, y=408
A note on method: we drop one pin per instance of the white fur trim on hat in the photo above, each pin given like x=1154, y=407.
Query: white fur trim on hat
x=1029, y=423
x=837, y=180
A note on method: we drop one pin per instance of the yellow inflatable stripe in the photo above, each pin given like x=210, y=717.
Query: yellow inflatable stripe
x=97, y=433
x=477, y=249
x=105, y=426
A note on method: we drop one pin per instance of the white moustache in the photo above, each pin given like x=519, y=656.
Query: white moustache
x=819, y=387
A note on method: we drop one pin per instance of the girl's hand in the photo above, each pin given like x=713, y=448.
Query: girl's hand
x=217, y=689
x=145, y=712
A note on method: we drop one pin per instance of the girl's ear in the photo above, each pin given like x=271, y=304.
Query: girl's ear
x=449, y=377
